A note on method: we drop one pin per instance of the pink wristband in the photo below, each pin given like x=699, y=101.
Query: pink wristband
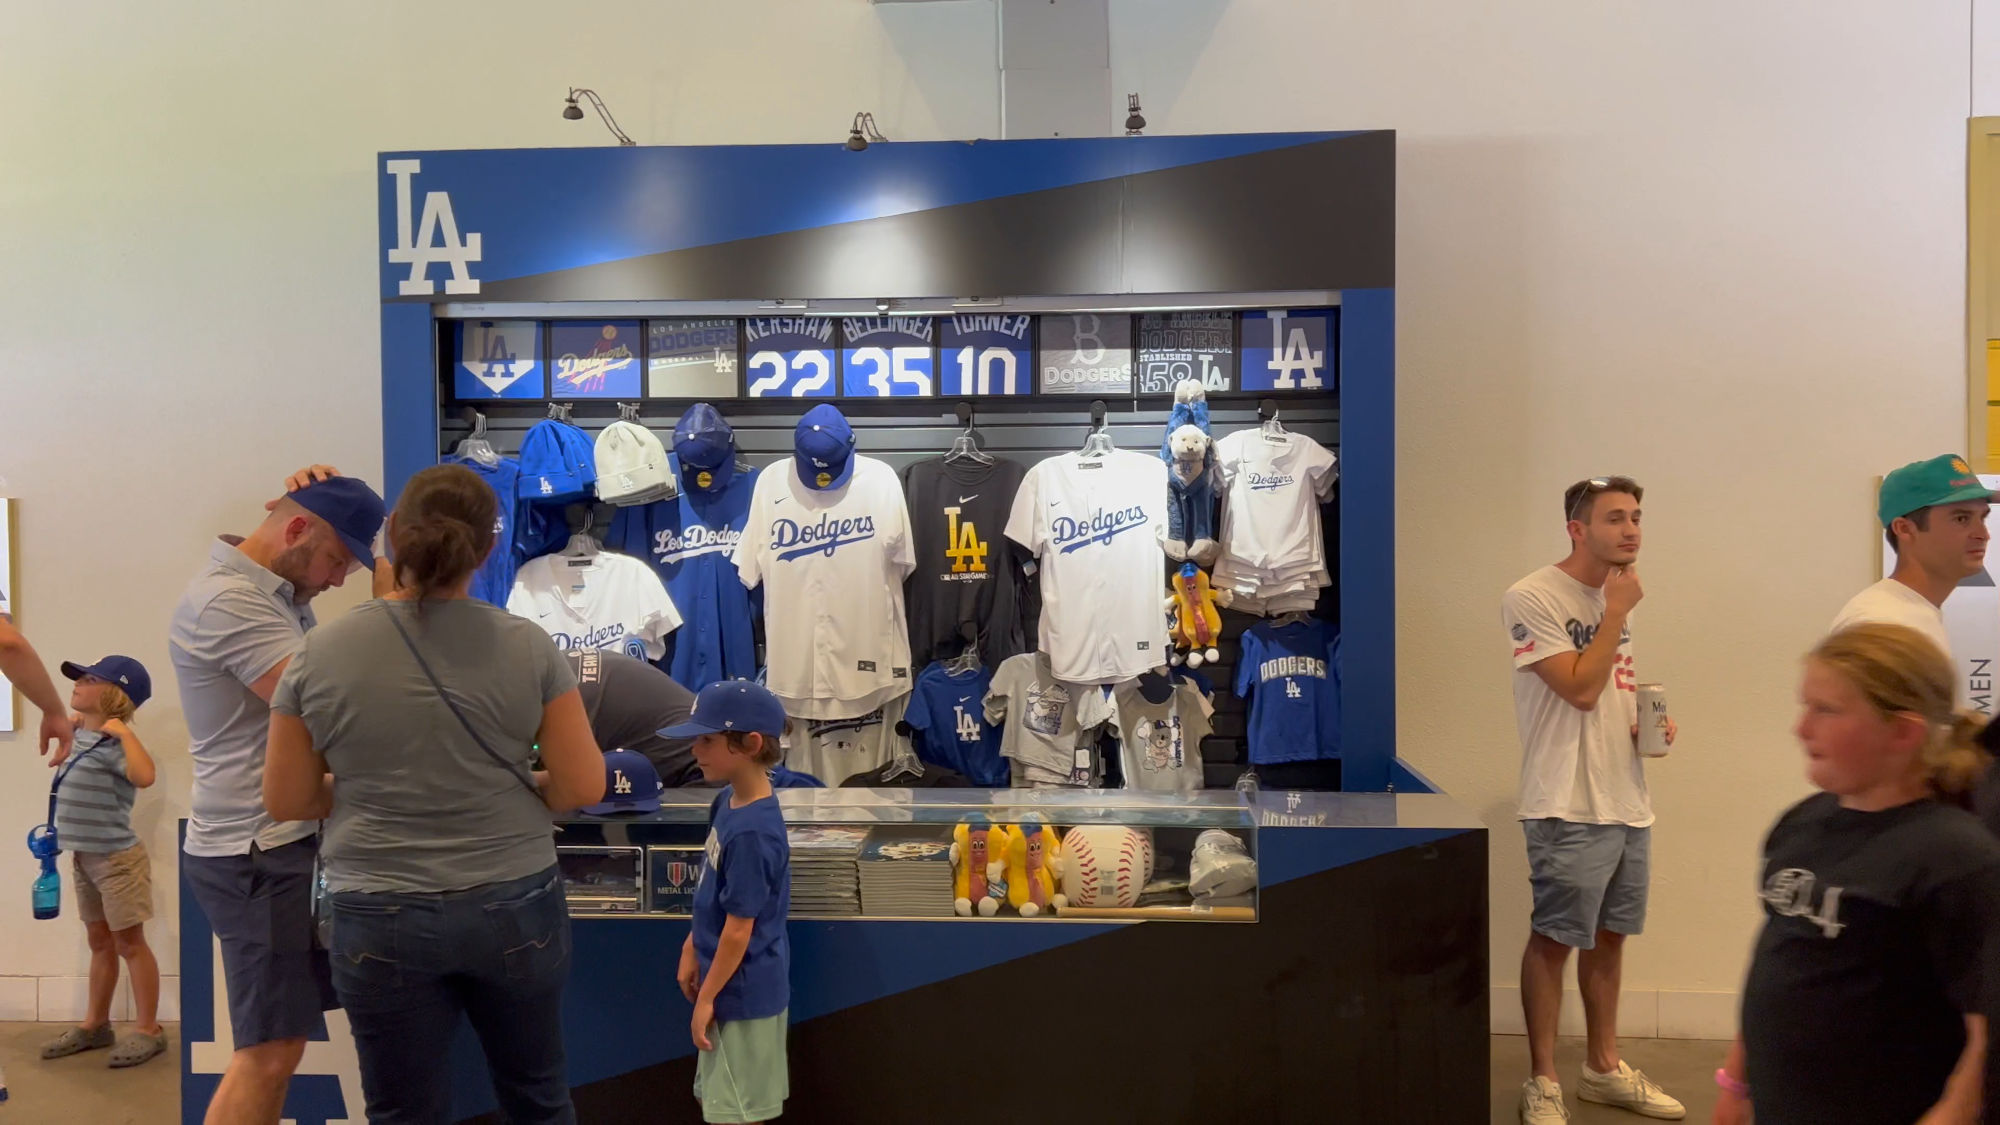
x=1723, y=1079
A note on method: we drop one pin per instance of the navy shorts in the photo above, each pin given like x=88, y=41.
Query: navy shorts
x=1587, y=877
x=260, y=907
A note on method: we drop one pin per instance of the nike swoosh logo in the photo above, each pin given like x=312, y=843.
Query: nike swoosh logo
x=968, y=499
x=1053, y=503
x=777, y=500
x=963, y=698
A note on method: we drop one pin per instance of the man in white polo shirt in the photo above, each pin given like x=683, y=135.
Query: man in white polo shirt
x=234, y=631
x=1934, y=516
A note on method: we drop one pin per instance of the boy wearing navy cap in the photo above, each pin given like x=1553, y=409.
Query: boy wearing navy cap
x=736, y=965
x=93, y=796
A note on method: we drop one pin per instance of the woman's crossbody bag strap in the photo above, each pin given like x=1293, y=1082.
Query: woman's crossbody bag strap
x=519, y=770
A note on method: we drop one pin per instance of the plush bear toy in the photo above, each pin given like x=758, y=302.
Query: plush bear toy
x=977, y=867
x=1196, y=624
x=1191, y=478
x=1034, y=865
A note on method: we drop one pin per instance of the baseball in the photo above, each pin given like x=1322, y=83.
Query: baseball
x=1106, y=864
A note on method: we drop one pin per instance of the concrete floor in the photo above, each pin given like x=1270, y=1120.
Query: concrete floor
x=1684, y=1068
x=82, y=1089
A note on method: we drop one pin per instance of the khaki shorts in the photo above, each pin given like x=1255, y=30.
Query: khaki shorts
x=115, y=888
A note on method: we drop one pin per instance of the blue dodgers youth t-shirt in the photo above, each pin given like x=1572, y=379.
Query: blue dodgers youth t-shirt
x=747, y=874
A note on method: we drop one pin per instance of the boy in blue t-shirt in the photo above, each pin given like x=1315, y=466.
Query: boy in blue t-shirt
x=736, y=966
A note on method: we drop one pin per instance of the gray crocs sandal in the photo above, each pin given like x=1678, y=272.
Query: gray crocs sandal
x=76, y=1040
x=138, y=1047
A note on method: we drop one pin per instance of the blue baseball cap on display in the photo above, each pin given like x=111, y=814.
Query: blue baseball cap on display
x=732, y=705
x=558, y=463
x=348, y=506
x=631, y=785
x=130, y=676
x=823, y=447
x=706, y=447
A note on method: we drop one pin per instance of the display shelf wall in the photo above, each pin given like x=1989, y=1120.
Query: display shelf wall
x=1112, y=225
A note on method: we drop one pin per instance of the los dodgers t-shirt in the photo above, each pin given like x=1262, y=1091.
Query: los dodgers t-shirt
x=1579, y=766
x=747, y=873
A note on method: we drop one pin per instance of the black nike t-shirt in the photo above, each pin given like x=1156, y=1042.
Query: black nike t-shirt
x=629, y=702
x=968, y=585
x=1872, y=953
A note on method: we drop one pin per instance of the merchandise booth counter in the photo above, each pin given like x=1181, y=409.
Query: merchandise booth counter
x=1158, y=936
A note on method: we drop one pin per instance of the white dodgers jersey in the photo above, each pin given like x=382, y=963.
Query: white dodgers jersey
x=1096, y=523
x=1275, y=483
x=832, y=564
x=608, y=601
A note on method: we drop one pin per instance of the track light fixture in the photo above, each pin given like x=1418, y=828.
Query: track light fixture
x=574, y=112
x=1135, y=122
x=863, y=133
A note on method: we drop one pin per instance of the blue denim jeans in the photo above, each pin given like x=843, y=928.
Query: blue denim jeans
x=407, y=967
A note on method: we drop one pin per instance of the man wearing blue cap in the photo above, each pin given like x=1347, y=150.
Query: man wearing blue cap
x=236, y=628
x=1933, y=514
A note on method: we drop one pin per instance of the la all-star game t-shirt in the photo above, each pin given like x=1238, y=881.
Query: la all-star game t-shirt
x=747, y=873
x=1868, y=962
x=1579, y=766
x=1096, y=524
x=968, y=585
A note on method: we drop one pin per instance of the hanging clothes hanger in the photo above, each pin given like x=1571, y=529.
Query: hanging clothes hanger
x=561, y=411
x=582, y=543
x=475, y=447
x=905, y=765
x=1099, y=442
x=1295, y=617
x=966, y=661
x=1267, y=413
x=965, y=447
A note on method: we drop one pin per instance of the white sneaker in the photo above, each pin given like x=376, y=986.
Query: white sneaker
x=1629, y=1089
x=1542, y=1103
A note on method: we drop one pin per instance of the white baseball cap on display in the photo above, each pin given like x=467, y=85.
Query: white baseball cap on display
x=632, y=466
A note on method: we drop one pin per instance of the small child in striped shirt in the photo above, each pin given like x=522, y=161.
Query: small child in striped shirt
x=94, y=791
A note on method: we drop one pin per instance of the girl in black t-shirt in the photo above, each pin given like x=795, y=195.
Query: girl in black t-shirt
x=1862, y=1004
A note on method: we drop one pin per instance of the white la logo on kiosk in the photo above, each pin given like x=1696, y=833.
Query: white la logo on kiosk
x=435, y=240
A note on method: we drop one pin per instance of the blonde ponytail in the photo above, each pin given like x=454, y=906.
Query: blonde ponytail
x=1901, y=671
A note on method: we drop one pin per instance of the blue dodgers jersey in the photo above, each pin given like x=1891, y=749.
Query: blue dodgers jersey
x=887, y=356
x=1291, y=676
x=789, y=357
x=949, y=729
x=986, y=354
x=689, y=541
x=747, y=873
x=494, y=579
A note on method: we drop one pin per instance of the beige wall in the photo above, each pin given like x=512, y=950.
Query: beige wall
x=1718, y=246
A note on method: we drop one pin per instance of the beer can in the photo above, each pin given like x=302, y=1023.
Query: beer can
x=1653, y=720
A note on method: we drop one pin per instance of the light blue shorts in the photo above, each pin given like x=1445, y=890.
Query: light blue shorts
x=745, y=1078
x=1586, y=878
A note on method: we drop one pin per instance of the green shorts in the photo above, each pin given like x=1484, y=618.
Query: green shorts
x=744, y=1078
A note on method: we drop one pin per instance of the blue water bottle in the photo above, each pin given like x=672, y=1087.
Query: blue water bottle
x=48, y=885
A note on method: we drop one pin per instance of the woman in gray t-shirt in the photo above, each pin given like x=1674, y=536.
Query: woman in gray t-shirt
x=407, y=726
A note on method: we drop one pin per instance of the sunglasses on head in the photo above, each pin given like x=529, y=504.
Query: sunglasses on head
x=1592, y=487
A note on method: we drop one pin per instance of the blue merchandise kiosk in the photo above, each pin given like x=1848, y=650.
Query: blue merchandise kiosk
x=1045, y=288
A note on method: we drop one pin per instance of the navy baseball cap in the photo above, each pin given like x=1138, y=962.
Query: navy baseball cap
x=351, y=508
x=631, y=785
x=823, y=447
x=732, y=705
x=130, y=676
x=706, y=447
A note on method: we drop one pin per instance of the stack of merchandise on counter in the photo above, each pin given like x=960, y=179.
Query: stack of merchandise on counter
x=824, y=881
x=906, y=872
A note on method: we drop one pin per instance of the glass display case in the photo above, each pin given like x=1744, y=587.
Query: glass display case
x=1020, y=855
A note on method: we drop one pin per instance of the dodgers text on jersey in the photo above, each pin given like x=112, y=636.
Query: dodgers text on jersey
x=793, y=540
x=1267, y=482
x=1069, y=534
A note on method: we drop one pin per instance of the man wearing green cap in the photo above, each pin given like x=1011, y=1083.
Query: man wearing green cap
x=1934, y=516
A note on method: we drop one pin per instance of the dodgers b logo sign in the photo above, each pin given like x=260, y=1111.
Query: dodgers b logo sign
x=434, y=241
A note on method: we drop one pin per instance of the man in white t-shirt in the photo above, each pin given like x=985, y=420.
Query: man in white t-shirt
x=1584, y=806
x=1934, y=515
